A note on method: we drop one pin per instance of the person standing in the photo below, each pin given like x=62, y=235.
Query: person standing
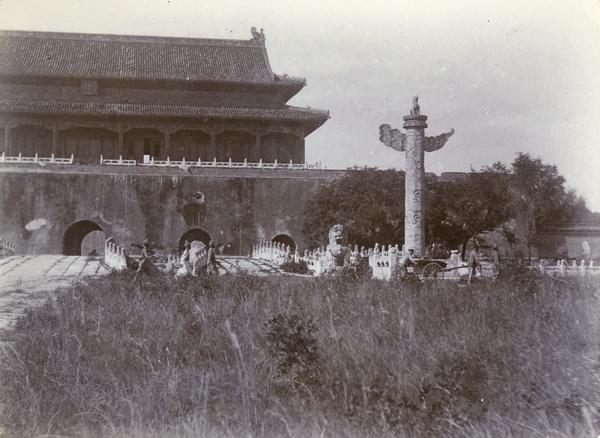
x=407, y=259
x=495, y=261
x=184, y=269
x=473, y=262
x=211, y=266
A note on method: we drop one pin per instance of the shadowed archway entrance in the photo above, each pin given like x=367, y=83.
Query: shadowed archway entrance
x=194, y=234
x=285, y=240
x=73, y=238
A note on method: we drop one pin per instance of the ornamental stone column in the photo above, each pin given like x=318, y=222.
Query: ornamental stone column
x=415, y=144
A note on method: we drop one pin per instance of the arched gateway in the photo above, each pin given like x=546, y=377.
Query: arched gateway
x=285, y=240
x=194, y=234
x=73, y=240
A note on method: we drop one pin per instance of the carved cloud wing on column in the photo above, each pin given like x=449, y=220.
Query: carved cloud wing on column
x=392, y=138
x=431, y=144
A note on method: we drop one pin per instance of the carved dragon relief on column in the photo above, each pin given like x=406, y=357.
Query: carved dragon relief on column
x=414, y=144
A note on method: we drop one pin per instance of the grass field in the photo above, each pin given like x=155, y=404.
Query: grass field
x=298, y=357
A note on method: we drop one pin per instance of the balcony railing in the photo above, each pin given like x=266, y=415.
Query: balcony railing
x=184, y=164
x=35, y=159
x=151, y=162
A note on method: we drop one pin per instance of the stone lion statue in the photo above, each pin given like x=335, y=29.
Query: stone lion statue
x=337, y=248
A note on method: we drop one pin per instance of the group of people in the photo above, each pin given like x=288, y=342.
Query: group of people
x=202, y=258
x=473, y=262
x=475, y=265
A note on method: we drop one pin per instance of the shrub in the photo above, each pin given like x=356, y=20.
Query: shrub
x=291, y=342
x=295, y=267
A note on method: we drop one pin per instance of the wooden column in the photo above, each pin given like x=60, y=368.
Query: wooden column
x=257, y=155
x=167, y=152
x=7, y=142
x=120, y=144
x=55, y=140
x=246, y=148
x=212, y=150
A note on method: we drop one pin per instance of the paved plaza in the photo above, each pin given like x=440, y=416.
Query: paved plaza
x=28, y=279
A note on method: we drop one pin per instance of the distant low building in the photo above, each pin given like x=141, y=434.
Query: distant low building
x=141, y=97
x=575, y=242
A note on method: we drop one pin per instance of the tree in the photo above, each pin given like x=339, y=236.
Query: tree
x=540, y=198
x=467, y=206
x=369, y=203
x=583, y=215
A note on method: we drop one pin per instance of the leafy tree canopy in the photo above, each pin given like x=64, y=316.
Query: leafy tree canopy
x=541, y=199
x=369, y=203
x=462, y=208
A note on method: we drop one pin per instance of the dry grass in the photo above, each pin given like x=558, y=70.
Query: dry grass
x=281, y=357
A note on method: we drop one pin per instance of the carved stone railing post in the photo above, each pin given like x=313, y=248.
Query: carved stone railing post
x=114, y=255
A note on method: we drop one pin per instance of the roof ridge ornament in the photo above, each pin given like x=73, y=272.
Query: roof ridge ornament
x=258, y=38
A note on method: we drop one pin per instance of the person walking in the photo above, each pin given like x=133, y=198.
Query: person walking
x=144, y=263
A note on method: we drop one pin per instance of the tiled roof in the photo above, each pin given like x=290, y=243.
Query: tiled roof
x=83, y=56
x=313, y=118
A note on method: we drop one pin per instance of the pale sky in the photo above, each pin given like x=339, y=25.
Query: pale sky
x=511, y=76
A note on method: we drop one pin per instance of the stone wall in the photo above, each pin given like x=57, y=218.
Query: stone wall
x=44, y=210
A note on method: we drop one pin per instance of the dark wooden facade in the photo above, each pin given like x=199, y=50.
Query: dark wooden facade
x=141, y=97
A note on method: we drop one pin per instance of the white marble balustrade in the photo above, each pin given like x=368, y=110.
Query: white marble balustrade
x=114, y=255
x=20, y=159
x=185, y=164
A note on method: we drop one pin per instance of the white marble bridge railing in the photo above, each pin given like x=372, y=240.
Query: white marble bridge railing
x=562, y=268
x=35, y=159
x=6, y=247
x=317, y=261
x=383, y=260
x=275, y=252
x=384, y=263
x=115, y=255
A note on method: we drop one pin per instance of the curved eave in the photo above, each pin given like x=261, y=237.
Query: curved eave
x=286, y=88
x=308, y=117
